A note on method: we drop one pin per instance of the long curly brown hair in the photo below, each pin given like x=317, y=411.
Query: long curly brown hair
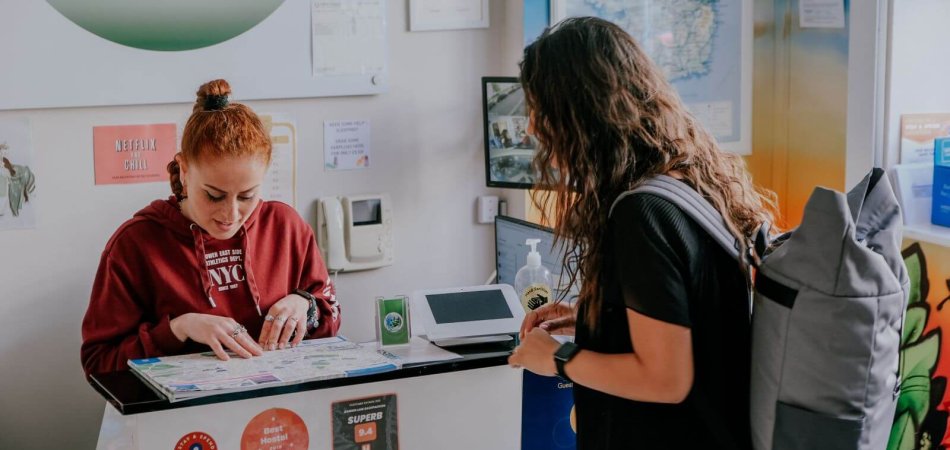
x=606, y=119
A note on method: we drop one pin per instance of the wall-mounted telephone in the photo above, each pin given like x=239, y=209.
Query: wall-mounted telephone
x=355, y=232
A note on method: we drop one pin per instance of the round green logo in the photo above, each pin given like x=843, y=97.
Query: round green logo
x=393, y=322
x=166, y=25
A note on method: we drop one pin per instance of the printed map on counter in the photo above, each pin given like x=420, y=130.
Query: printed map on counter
x=201, y=374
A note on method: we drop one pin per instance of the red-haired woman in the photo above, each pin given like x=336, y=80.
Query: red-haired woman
x=213, y=266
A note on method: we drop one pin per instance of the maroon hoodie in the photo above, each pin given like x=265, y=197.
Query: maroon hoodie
x=159, y=265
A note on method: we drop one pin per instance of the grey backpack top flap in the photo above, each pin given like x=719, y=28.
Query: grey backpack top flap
x=859, y=236
x=878, y=222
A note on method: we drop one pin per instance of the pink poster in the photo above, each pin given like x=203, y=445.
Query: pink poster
x=133, y=153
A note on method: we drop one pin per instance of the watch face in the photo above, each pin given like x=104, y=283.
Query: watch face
x=566, y=351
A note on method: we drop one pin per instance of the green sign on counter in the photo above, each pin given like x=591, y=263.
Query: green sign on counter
x=392, y=320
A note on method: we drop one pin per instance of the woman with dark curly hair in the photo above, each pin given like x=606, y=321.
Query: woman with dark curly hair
x=661, y=358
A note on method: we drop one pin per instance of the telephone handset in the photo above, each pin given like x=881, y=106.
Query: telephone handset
x=355, y=232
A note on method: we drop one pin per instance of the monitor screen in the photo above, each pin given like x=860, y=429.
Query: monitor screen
x=468, y=306
x=511, y=252
x=367, y=212
x=508, y=148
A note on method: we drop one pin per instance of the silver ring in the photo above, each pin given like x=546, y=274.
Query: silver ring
x=269, y=318
x=279, y=319
x=294, y=319
x=238, y=330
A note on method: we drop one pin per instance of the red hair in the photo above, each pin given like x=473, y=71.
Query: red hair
x=218, y=128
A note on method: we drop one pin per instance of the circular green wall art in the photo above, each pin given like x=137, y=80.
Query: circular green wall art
x=166, y=25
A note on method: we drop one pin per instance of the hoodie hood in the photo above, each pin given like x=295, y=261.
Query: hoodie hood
x=168, y=214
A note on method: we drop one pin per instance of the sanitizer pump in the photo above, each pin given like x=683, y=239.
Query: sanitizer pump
x=533, y=281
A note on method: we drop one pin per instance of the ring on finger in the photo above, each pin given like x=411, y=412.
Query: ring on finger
x=238, y=330
x=269, y=318
x=294, y=319
x=279, y=319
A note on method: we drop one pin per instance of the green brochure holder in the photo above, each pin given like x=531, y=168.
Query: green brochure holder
x=392, y=320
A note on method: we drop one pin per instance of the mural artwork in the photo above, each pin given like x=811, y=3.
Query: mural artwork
x=922, y=410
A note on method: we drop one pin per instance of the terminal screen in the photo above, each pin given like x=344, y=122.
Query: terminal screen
x=458, y=307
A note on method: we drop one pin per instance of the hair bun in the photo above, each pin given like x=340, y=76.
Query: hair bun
x=216, y=102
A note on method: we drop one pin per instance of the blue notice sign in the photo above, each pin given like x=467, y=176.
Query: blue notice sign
x=547, y=408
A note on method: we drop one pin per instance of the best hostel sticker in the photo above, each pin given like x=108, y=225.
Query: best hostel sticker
x=196, y=440
x=366, y=424
x=275, y=429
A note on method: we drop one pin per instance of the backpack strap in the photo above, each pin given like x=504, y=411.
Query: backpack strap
x=691, y=203
x=702, y=212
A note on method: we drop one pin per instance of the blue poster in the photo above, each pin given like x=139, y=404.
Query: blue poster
x=547, y=408
x=537, y=16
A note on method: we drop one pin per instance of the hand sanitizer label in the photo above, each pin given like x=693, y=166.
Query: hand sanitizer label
x=535, y=296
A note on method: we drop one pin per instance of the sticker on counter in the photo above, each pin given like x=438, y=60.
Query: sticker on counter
x=275, y=429
x=366, y=424
x=548, y=421
x=196, y=440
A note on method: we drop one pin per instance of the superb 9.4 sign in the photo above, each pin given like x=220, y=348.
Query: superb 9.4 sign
x=366, y=424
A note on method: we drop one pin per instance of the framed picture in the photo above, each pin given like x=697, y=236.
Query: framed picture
x=509, y=150
x=704, y=48
x=430, y=15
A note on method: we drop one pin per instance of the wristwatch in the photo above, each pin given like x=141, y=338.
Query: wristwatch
x=312, y=320
x=565, y=353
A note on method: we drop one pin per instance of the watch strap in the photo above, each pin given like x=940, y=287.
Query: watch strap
x=312, y=320
x=563, y=355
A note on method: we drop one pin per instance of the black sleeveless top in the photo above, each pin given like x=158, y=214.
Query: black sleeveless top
x=662, y=264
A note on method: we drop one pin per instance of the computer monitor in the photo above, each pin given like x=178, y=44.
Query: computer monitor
x=511, y=253
x=508, y=148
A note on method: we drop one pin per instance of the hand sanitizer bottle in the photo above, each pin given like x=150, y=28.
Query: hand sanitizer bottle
x=533, y=281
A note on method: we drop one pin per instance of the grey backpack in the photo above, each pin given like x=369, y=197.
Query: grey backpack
x=827, y=316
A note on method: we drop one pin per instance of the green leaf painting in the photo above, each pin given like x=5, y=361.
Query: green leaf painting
x=919, y=354
x=914, y=322
x=903, y=433
x=917, y=366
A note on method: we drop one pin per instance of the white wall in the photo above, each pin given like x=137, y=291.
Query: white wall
x=426, y=153
x=917, y=66
x=867, y=55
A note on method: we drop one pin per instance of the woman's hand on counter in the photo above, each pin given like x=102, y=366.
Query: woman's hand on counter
x=555, y=318
x=217, y=332
x=285, y=317
x=536, y=353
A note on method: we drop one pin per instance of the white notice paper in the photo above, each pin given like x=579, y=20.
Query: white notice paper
x=280, y=180
x=914, y=186
x=346, y=144
x=447, y=14
x=821, y=13
x=349, y=37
